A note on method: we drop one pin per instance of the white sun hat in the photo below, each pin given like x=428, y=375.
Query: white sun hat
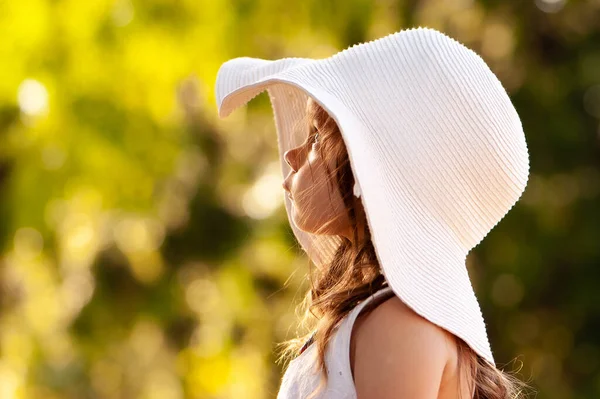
x=436, y=147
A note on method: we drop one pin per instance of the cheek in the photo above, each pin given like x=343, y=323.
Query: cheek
x=315, y=203
x=305, y=187
x=310, y=185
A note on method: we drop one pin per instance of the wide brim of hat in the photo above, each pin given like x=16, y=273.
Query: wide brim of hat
x=443, y=295
x=422, y=256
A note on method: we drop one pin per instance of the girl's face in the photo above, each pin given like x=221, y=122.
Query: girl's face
x=317, y=205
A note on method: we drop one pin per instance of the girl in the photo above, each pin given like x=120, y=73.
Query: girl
x=413, y=154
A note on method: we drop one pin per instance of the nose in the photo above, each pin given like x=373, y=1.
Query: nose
x=289, y=158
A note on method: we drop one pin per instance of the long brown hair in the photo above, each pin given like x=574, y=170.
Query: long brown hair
x=354, y=274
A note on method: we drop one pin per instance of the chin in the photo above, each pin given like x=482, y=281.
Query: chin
x=302, y=224
x=307, y=227
x=309, y=224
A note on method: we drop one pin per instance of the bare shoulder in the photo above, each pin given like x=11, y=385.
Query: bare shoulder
x=397, y=353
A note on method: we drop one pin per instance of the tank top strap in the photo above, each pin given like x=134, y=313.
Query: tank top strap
x=379, y=295
x=351, y=316
x=340, y=352
x=303, y=375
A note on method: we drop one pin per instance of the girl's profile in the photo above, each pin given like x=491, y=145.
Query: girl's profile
x=398, y=157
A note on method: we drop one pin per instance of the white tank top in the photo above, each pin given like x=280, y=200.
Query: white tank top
x=302, y=375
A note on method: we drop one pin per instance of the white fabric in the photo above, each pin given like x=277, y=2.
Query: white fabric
x=434, y=142
x=302, y=376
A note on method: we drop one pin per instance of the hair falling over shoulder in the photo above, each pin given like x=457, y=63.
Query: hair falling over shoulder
x=354, y=274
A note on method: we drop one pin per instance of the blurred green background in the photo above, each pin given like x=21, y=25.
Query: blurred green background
x=144, y=248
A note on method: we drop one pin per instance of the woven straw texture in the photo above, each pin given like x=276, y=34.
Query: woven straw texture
x=435, y=144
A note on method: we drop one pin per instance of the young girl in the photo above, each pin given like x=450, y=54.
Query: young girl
x=409, y=152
